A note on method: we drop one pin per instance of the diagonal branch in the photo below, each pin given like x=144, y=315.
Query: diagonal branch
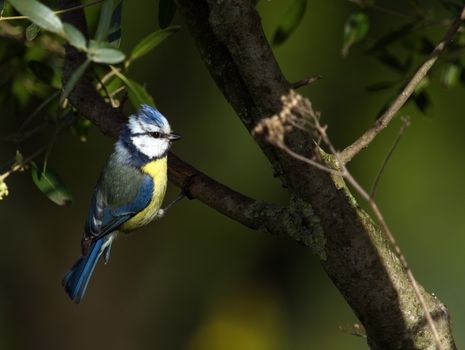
x=405, y=125
x=322, y=213
x=65, y=10
x=252, y=213
x=255, y=214
x=354, y=252
x=381, y=123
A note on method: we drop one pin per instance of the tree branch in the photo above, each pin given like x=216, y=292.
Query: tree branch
x=306, y=81
x=65, y=10
x=405, y=125
x=255, y=214
x=381, y=123
x=354, y=252
x=322, y=214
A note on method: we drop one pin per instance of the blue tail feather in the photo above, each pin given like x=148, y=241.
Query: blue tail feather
x=77, y=279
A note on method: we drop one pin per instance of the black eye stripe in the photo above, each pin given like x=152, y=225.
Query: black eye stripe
x=155, y=134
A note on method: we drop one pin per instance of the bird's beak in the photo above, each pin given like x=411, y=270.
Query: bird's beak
x=173, y=137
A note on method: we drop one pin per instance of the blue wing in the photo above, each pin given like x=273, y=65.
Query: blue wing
x=77, y=278
x=105, y=217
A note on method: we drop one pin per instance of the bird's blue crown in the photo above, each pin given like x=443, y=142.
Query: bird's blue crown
x=149, y=115
x=147, y=119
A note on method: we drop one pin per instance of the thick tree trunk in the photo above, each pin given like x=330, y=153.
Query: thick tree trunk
x=353, y=250
x=321, y=214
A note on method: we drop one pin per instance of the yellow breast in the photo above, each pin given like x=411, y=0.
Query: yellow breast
x=157, y=170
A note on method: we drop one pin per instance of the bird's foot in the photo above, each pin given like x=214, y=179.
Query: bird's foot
x=160, y=214
x=184, y=193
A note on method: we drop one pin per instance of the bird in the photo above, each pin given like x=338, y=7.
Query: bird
x=128, y=194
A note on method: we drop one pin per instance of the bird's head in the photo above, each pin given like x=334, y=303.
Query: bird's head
x=148, y=132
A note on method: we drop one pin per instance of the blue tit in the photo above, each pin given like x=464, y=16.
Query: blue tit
x=128, y=195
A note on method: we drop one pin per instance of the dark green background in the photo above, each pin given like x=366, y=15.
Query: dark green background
x=199, y=281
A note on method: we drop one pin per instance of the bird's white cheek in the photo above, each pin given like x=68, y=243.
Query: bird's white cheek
x=150, y=146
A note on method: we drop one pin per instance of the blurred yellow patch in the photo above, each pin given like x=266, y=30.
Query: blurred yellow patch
x=3, y=190
x=249, y=321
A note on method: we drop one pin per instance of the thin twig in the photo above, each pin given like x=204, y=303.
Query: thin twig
x=393, y=12
x=306, y=81
x=50, y=147
x=405, y=125
x=17, y=166
x=361, y=143
x=383, y=9
x=105, y=90
x=22, y=135
x=275, y=128
x=312, y=162
x=74, y=8
x=409, y=272
x=38, y=109
x=117, y=91
x=350, y=179
x=18, y=137
x=107, y=77
x=45, y=148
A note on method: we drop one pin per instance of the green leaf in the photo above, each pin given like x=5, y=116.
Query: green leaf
x=39, y=14
x=420, y=97
x=391, y=61
x=392, y=37
x=32, y=31
x=73, y=80
x=114, y=33
x=99, y=45
x=75, y=37
x=151, y=41
x=422, y=101
x=136, y=92
x=113, y=84
x=426, y=46
x=104, y=21
x=50, y=184
x=42, y=71
x=166, y=12
x=290, y=21
x=355, y=29
x=138, y=95
x=451, y=75
x=106, y=55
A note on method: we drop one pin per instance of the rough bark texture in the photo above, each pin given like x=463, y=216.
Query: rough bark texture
x=321, y=214
x=356, y=255
x=255, y=214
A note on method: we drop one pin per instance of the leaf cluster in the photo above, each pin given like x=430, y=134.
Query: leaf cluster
x=400, y=47
x=33, y=61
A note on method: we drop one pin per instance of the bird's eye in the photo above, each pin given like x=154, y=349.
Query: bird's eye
x=155, y=134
